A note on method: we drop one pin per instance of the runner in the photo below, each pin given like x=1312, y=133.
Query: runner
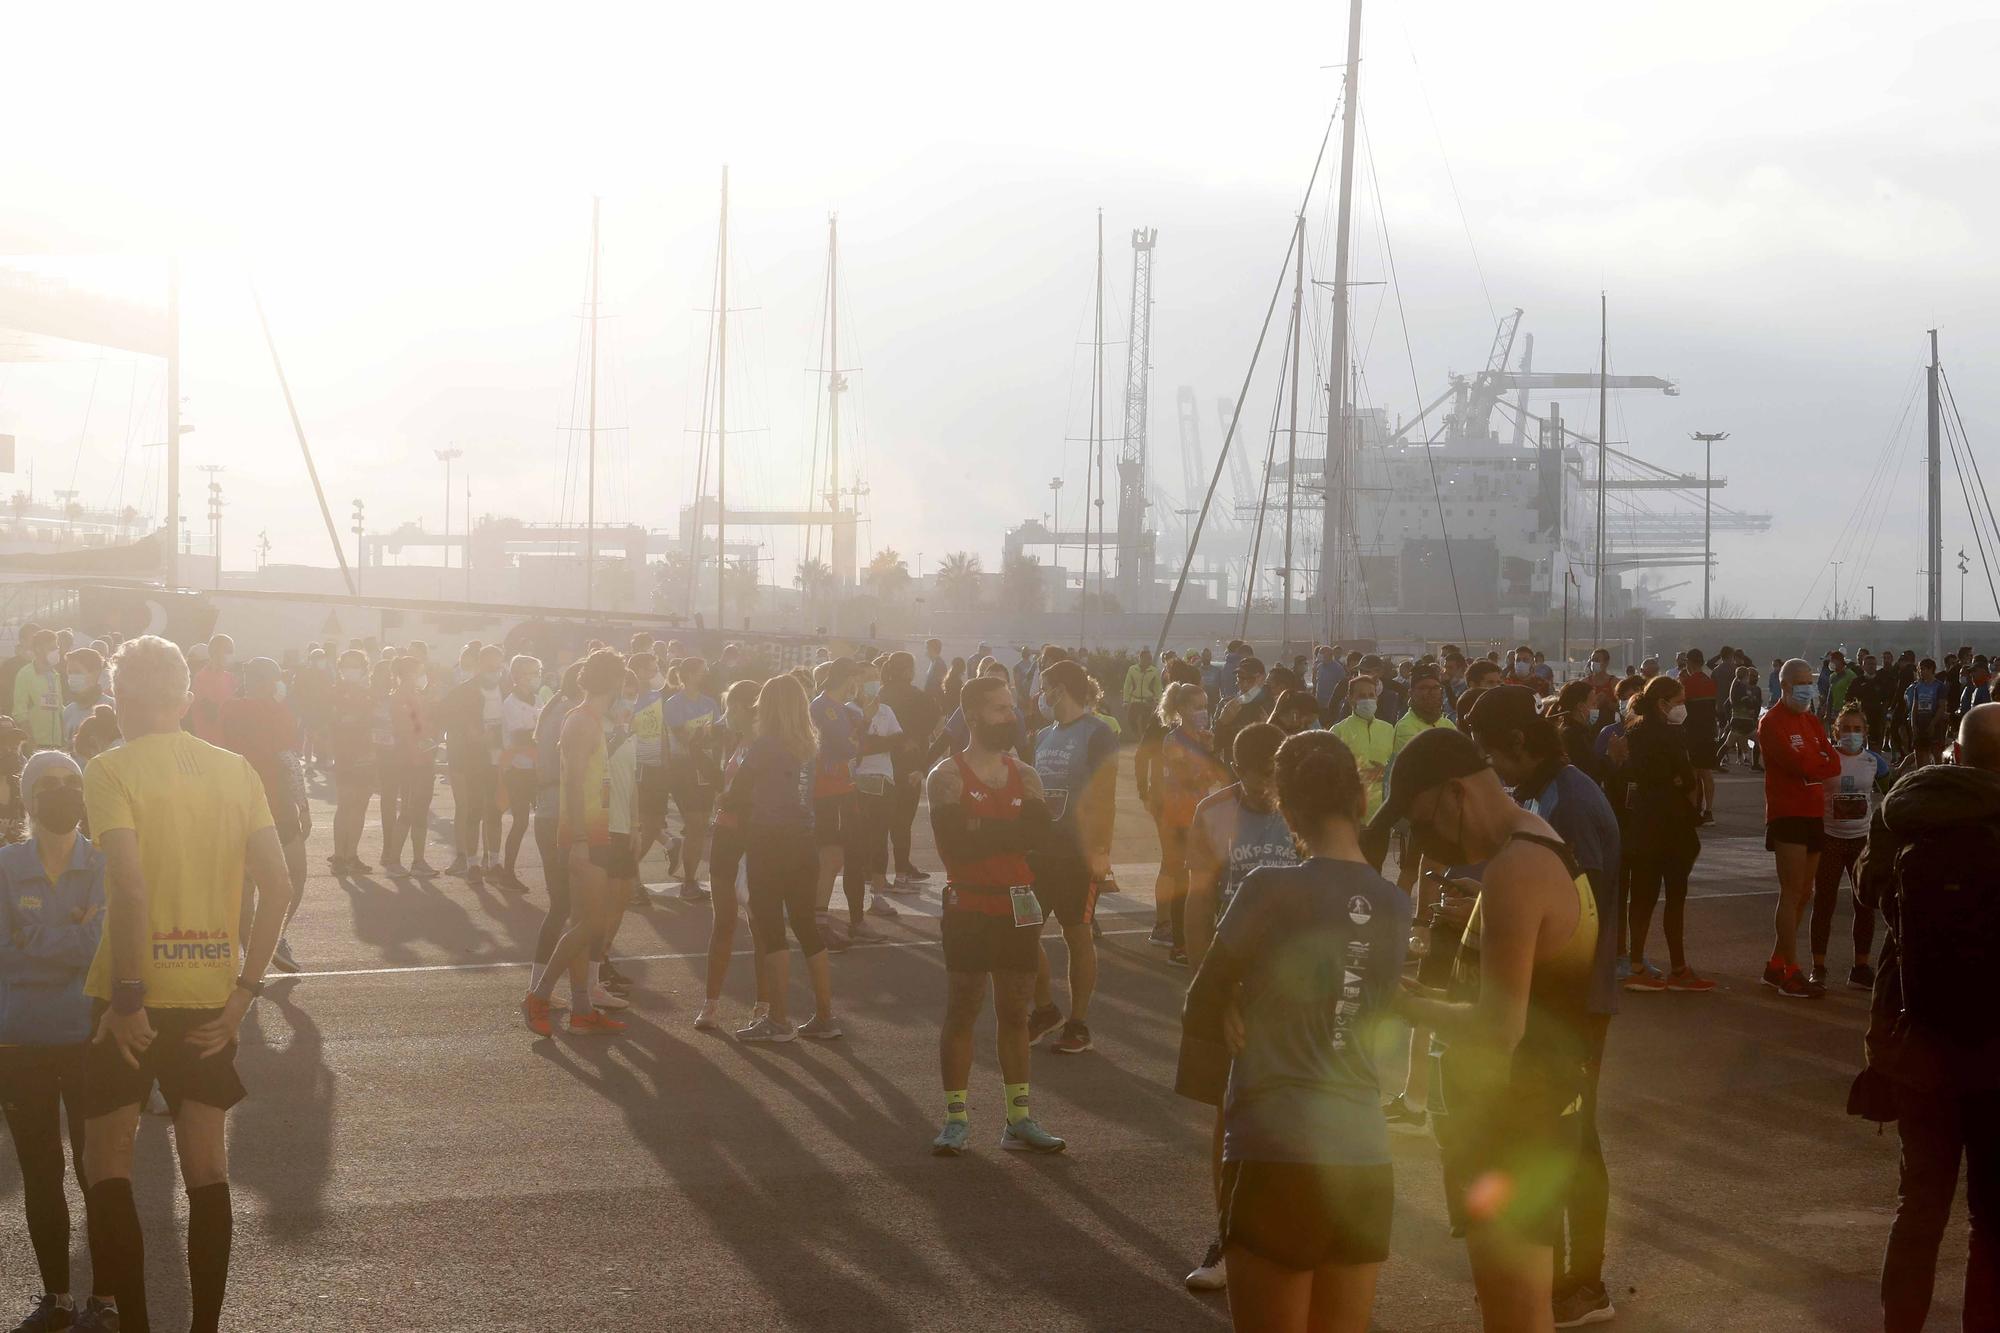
x=1371, y=740
x=1851, y=797
x=988, y=814
x=1698, y=733
x=583, y=839
x=835, y=825
x=689, y=708
x=413, y=738
x=180, y=823
x=1513, y=1034
x=1076, y=759
x=51, y=919
x=1927, y=708
x=1797, y=760
x=548, y=802
x=1661, y=839
x=1188, y=772
x=729, y=738
x=351, y=748
x=922, y=723
x=770, y=795
x=84, y=671
x=1302, y=970
x=259, y=727
x=881, y=735
x=471, y=716
x=38, y=693
x=518, y=714
x=1235, y=831
x=1746, y=705
x=1141, y=690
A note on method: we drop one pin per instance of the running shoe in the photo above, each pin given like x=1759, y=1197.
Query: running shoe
x=1162, y=936
x=674, y=856
x=767, y=1029
x=423, y=869
x=1818, y=975
x=1687, y=979
x=1404, y=1118
x=1177, y=956
x=1861, y=976
x=1644, y=980
x=833, y=934
x=1621, y=969
x=281, y=957
x=1075, y=1039
x=536, y=1011
x=475, y=875
x=1774, y=975
x=820, y=1029
x=1107, y=885
x=878, y=905
x=1025, y=1135
x=643, y=897
x=1798, y=986
x=1585, y=1304
x=1210, y=1274
x=594, y=1021
x=905, y=886
x=46, y=1316
x=601, y=998
x=612, y=977
x=97, y=1317
x=953, y=1139
x=708, y=1020
x=392, y=865
x=693, y=892
x=457, y=866
x=910, y=876
x=860, y=932
x=1043, y=1019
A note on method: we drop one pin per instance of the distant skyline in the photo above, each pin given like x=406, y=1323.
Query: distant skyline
x=1779, y=199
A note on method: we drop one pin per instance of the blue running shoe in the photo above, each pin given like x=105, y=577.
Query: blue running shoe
x=952, y=1139
x=1027, y=1136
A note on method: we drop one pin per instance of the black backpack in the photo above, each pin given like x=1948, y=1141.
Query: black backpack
x=1948, y=901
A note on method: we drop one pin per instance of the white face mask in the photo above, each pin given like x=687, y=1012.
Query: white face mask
x=1677, y=715
x=354, y=675
x=278, y=691
x=1365, y=708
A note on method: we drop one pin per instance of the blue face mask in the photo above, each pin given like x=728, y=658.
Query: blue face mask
x=1803, y=695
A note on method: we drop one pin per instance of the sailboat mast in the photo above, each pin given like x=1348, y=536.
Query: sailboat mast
x=1090, y=454
x=722, y=410
x=1335, y=522
x=1934, y=534
x=171, y=545
x=833, y=391
x=1603, y=458
x=590, y=501
x=1292, y=443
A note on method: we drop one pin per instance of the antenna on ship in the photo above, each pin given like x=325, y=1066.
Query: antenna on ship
x=1337, y=518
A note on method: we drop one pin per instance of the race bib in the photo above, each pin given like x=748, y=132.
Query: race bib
x=1027, y=908
x=1057, y=800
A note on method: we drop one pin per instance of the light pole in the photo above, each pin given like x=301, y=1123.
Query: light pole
x=1708, y=442
x=1871, y=601
x=446, y=456
x=360, y=552
x=1836, y=589
x=1962, y=567
x=214, y=471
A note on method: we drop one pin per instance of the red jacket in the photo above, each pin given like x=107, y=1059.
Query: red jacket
x=1797, y=758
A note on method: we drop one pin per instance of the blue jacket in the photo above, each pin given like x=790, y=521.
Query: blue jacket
x=44, y=953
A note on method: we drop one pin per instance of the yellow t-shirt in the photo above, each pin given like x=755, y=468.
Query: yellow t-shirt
x=193, y=807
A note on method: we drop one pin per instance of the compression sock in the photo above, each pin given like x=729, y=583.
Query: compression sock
x=1017, y=1102
x=118, y=1257
x=210, y=1229
x=954, y=1107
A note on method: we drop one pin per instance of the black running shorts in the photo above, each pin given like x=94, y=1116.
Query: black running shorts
x=614, y=858
x=1799, y=830
x=110, y=1084
x=833, y=819
x=981, y=942
x=1511, y=1166
x=1066, y=889
x=1305, y=1215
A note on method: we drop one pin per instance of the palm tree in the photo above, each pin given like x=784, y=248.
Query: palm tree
x=888, y=575
x=814, y=580
x=1021, y=583
x=958, y=580
x=743, y=586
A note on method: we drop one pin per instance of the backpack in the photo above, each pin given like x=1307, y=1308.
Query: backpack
x=1948, y=916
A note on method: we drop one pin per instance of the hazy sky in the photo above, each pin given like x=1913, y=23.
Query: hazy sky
x=1778, y=197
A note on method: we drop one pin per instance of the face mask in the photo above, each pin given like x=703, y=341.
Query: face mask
x=870, y=689
x=531, y=684
x=78, y=682
x=1198, y=721
x=423, y=683
x=489, y=680
x=354, y=675
x=1250, y=694
x=1853, y=743
x=49, y=660
x=994, y=735
x=278, y=691
x=1677, y=715
x=1802, y=696
x=59, y=811
x=1365, y=708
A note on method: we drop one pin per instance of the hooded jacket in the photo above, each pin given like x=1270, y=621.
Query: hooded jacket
x=44, y=949
x=1925, y=802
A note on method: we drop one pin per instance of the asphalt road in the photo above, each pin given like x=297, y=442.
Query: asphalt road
x=411, y=1157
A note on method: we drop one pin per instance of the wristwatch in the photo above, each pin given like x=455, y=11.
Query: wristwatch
x=253, y=989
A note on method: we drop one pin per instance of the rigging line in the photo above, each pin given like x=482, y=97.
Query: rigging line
x=89, y=404
x=1437, y=131
x=1889, y=451
x=125, y=455
x=1979, y=538
x=701, y=456
x=1430, y=458
x=819, y=407
x=1951, y=400
x=1264, y=494
x=1229, y=436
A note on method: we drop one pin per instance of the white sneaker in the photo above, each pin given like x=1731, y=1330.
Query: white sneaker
x=601, y=998
x=1212, y=1273
x=708, y=1020
x=880, y=906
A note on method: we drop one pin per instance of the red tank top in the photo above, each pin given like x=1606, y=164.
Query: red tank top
x=981, y=886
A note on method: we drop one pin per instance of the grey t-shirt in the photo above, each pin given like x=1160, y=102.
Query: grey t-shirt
x=1318, y=949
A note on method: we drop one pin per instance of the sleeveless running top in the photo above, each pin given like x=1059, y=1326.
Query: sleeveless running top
x=596, y=830
x=1549, y=1060
x=981, y=886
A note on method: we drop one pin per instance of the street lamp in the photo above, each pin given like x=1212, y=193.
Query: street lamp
x=360, y=552
x=446, y=456
x=1708, y=442
x=214, y=471
x=1871, y=601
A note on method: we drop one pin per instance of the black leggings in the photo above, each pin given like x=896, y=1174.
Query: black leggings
x=1839, y=858
x=903, y=813
x=415, y=784
x=1653, y=867
x=1588, y=1209
x=784, y=872
x=520, y=810
x=875, y=813
x=39, y=1088
x=555, y=875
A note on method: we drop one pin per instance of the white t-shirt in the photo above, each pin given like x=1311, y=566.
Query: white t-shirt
x=1850, y=798
x=879, y=765
x=622, y=766
x=490, y=702
x=518, y=715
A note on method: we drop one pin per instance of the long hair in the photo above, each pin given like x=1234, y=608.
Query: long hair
x=782, y=715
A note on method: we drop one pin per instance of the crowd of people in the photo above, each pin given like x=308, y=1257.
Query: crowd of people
x=1536, y=824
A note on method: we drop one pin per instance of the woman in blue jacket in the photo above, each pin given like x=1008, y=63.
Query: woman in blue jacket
x=51, y=914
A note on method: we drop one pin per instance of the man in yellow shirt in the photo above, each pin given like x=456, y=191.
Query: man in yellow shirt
x=38, y=700
x=1426, y=713
x=1371, y=739
x=179, y=822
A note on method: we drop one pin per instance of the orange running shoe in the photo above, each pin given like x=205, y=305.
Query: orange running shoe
x=596, y=1020
x=536, y=1011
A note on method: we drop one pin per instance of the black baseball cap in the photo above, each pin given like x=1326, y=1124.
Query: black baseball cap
x=1503, y=708
x=1431, y=759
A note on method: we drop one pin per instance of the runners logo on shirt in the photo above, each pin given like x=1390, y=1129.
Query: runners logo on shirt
x=1359, y=910
x=191, y=948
